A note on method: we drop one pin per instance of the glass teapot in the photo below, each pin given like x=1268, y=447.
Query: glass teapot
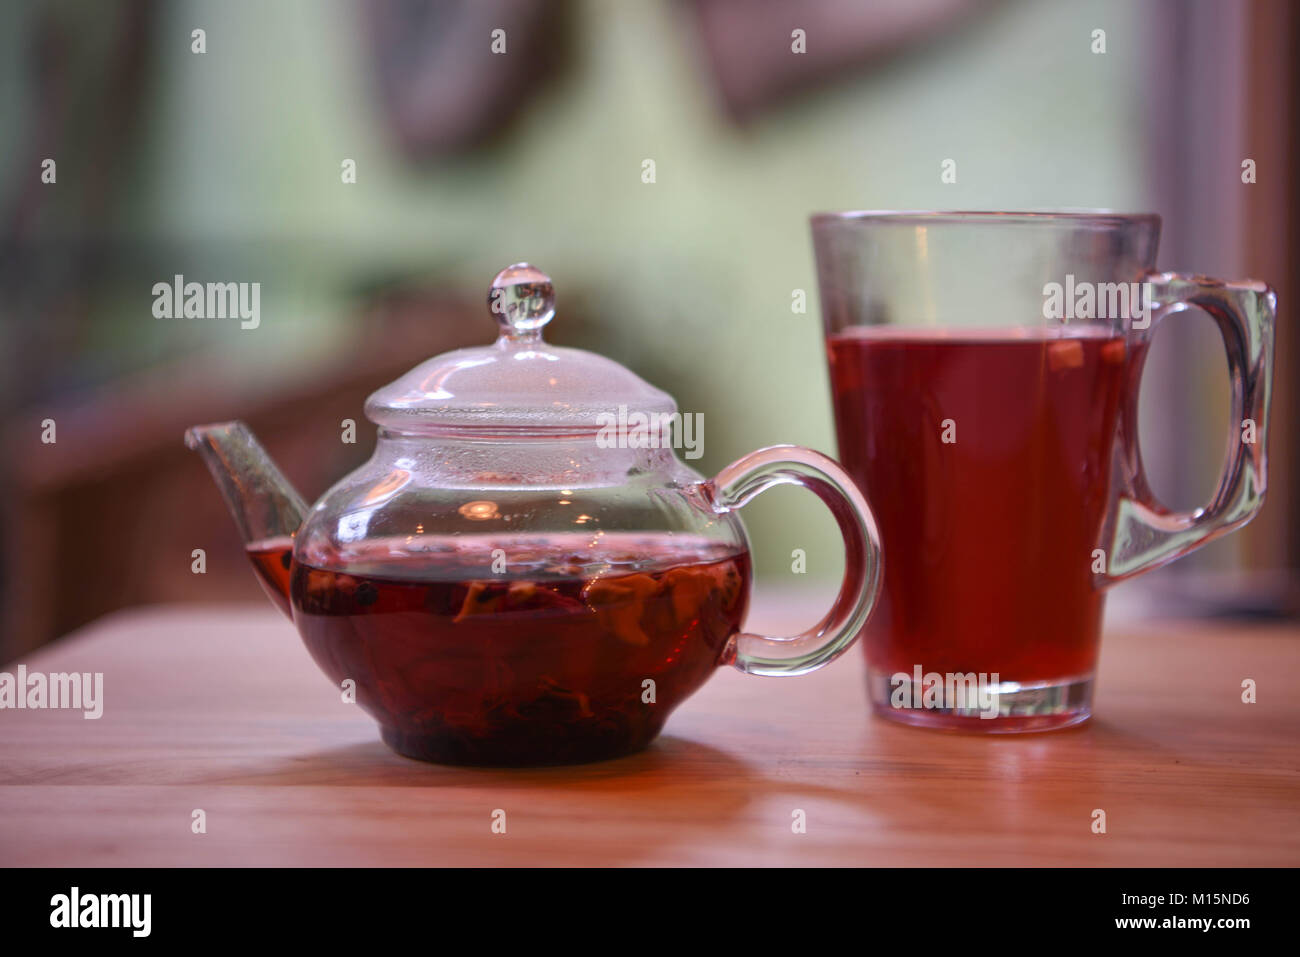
x=525, y=572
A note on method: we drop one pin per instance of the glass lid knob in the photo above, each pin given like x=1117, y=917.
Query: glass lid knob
x=522, y=300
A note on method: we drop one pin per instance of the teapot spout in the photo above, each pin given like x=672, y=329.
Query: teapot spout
x=267, y=509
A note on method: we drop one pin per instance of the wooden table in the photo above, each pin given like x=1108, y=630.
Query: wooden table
x=221, y=709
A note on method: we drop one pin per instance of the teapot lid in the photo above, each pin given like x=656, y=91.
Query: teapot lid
x=517, y=383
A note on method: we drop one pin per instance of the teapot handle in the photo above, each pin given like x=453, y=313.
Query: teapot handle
x=736, y=485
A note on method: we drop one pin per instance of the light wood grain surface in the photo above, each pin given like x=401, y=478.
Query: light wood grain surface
x=221, y=709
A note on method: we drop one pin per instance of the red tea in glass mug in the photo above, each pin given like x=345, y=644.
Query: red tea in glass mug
x=998, y=447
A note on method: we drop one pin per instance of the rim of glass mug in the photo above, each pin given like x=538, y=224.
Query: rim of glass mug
x=1104, y=218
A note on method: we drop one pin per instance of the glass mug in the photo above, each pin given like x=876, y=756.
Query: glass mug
x=985, y=371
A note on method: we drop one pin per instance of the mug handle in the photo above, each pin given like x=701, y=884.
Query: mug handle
x=1142, y=533
x=736, y=485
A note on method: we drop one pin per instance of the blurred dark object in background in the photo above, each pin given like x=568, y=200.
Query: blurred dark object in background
x=86, y=70
x=87, y=81
x=1224, y=88
x=840, y=36
x=442, y=85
